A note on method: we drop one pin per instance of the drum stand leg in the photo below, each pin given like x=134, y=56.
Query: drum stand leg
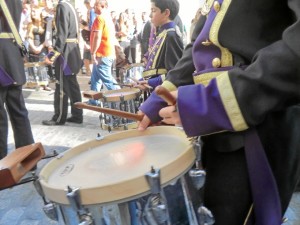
x=26, y=180
x=188, y=202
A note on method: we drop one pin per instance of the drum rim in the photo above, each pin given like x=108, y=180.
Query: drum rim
x=92, y=195
x=132, y=94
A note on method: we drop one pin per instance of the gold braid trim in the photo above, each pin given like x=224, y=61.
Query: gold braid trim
x=168, y=85
x=55, y=55
x=230, y=102
x=226, y=56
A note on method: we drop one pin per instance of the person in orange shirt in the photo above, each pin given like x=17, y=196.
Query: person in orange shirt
x=103, y=41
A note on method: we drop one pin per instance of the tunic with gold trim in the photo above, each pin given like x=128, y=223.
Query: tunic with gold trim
x=246, y=66
x=164, y=54
x=68, y=62
x=66, y=43
x=8, y=46
x=11, y=97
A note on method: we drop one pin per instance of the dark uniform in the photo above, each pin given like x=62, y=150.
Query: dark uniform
x=11, y=97
x=143, y=38
x=247, y=59
x=68, y=62
x=163, y=54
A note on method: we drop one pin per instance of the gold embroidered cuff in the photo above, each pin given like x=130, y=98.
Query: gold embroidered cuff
x=168, y=85
x=205, y=78
x=149, y=73
x=230, y=103
x=54, y=55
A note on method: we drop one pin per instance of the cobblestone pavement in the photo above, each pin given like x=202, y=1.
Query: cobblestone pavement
x=22, y=205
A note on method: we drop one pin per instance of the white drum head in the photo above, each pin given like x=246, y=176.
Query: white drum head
x=113, y=169
x=125, y=93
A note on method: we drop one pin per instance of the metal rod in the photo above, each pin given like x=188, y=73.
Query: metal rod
x=138, y=82
x=114, y=112
x=34, y=64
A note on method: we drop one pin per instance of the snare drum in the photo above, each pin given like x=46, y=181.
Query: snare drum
x=110, y=173
x=36, y=74
x=126, y=99
x=134, y=71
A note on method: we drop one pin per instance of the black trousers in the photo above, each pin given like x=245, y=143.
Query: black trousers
x=66, y=88
x=12, y=102
x=227, y=193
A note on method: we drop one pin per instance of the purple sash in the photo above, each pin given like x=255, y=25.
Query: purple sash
x=267, y=206
x=63, y=64
x=5, y=79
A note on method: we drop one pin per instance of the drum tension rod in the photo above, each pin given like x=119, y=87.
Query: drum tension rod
x=54, y=154
x=73, y=195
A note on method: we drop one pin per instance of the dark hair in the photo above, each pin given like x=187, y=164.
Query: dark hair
x=172, y=5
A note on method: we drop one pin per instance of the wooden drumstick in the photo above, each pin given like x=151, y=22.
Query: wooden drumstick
x=34, y=64
x=138, y=82
x=129, y=66
x=114, y=112
x=165, y=95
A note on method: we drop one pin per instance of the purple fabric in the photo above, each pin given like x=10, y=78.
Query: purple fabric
x=65, y=67
x=152, y=36
x=267, y=207
x=154, y=82
x=5, y=79
x=63, y=64
x=201, y=110
x=151, y=55
x=210, y=51
x=166, y=26
x=152, y=106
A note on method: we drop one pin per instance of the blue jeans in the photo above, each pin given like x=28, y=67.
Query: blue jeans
x=101, y=74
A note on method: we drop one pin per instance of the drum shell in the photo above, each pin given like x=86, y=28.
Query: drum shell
x=116, y=191
x=125, y=99
x=119, y=192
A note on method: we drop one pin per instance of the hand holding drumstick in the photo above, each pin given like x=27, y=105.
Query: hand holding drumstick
x=143, y=84
x=169, y=113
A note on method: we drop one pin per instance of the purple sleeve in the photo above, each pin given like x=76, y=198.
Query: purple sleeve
x=152, y=106
x=154, y=82
x=201, y=110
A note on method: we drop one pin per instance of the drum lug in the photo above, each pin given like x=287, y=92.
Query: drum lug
x=99, y=137
x=157, y=211
x=105, y=100
x=86, y=220
x=51, y=211
x=122, y=100
x=153, y=179
x=73, y=196
x=205, y=216
x=198, y=174
x=49, y=208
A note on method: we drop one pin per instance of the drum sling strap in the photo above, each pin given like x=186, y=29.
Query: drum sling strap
x=266, y=201
x=13, y=28
x=5, y=79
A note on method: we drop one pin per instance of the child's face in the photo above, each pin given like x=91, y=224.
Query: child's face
x=158, y=18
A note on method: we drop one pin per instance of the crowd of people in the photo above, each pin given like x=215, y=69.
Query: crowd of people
x=236, y=85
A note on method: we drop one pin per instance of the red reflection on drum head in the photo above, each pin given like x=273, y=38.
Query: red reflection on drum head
x=133, y=152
